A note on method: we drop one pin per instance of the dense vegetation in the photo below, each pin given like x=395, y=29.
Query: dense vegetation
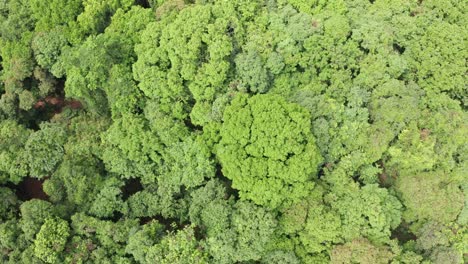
x=233, y=131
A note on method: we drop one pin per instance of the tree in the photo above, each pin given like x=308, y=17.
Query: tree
x=131, y=149
x=33, y=214
x=312, y=226
x=8, y=205
x=51, y=240
x=360, y=251
x=180, y=247
x=139, y=243
x=210, y=208
x=51, y=14
x=85, y=68
x=88, y=66
x=80, y=175
x=122, y=93
x=234, y=232
x=403, y=156
x=430, y=69
x=281, y=257
x=395, y=104
x=95, y=18
x=187, y=162
x=321, y=231
x=446, y=255
x=106, y=239
x=252, y=73
x=11, y=242
x=126, y=26
x=174, y=77
x=441, y=243
x=370, y=212
x=47, y=47
x=187, y=165
x=44, y=149
x=109, y=199
x=12, y=155
x=408, y=257
x=246, y=239
x=430, y=196
x=144, y=204
x=267, y=149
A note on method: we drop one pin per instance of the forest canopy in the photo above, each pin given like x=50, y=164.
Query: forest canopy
x=233, y=131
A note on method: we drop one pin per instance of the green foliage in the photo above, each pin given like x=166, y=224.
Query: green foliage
x=241, y=131
x=360, y=251
x=26, y=100
x=16, y=19
x=12, y=140
x=44, y=149
x=180, y=247
x=122, y=93
x=105, y=239
x=242, y=235
x=408, y=257
x=445, y=255
x=410, y=161
x=144, y=204
x=109, y=199
x=327, y=219
x=10, y=243
x=442, y=243
x=51, y=240
x=50, y=14
x=268, y=150
x=321, y=230
x=343, y=196
x=95, y=17
x=281, y=257
x=9, y=203
x=252, y=73
x=197, y=70
x=140, y=242
x=47, y=48
x=371, y=212
x=86, y=68
x=431, y=235
x=77, y=179
x=130, y=149
x=186, y=165
x=433, y=71
x=33, y=215
x=430, y=196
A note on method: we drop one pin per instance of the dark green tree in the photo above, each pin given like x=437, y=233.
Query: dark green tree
x=13, y=137
x=44, y=149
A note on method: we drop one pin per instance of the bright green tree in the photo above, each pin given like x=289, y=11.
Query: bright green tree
x=268, y=150
x=180, y=247
x=51, y=240
x=185, y=57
